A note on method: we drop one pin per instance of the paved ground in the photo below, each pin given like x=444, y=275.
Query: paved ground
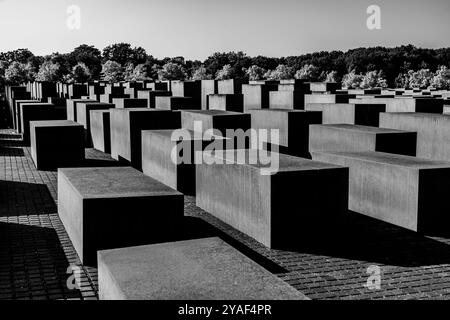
x=37, y=257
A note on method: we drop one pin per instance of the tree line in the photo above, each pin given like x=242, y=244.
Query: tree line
x=403, y=66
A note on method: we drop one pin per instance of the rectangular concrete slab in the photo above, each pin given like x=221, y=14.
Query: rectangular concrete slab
x=235, y=188
x=203, y=269
x=353, y=138
x=169, y=156
x=287, y=100
x=150, y=96
x=348, y=113
x=56, y=144
x=94, y=207
x=406, y=191
x=84, y=117
x=214, y=119
x=226, y=102
x=71, y=105
x=433, y=132
x=257, y=96
x=293, y=126
x=176, y=103
x=101, y=130
x=130, y=103
x=126, y=128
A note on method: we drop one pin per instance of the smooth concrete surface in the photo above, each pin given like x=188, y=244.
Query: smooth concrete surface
x=188, y=88
x=208, y=87
x=230, y=86
x=202, y=269
x=101, y=130
x=348, y=113
x=94, y=205
x=405, y=191
x=150, y=96
x=324, y=86
x=56, y=144
x=130, y=103
x=15, y=113
x=328, y=98
x=215, y=119
x=160, y=146
x=175, y=103
x=226, y=102
x=71, y=105
x=354, y=138
x=301, y=201
x=256, y=96
x=433, y=132
x=293, y=100
x=293, y=126
x=34, y=112
x=126, y=128
x=84, y=117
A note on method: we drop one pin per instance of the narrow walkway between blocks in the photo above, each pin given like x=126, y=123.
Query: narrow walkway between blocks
x=37, y=257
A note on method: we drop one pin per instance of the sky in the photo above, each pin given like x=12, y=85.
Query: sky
x=197, y=28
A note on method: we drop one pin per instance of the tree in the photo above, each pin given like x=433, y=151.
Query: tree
x=81, y=73
x=112, y=71
x=88, y=55
x=308, y=72
x=255, y=72
x=201, y=74
x=421, y=78
x=172, y=71
x=19, y=55
x=16, y=73
x=332, y=76
x=280, y=73
x=123, y=54
x=49, y=71
x=138, y=73
x=373, y=79
x=352, y=80
x=441, y=79
x=227, y=72
x=237, y=61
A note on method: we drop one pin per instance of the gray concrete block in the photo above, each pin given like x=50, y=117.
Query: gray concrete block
x=150, y=96
x=226, y=102
x=94, y=207
x=433, y=132
x=203, y=269
x=56, y=144
x=405, y=191
x=176, y=103
x=188, y=88
x=293, y=126
x=287, y=100
x=84, y=117
x=354, y=138
x=261, y=206
x=130, y=103
x=101, y=130
x=348, y=113
x=126, y=128
x=208, y=87
x=231, y=86
x=34, y=112
x=72, y=107
x=257, y=96
x=215, y=119
x=158, y=147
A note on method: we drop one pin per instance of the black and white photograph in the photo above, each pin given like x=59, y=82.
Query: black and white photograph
x=230, y=157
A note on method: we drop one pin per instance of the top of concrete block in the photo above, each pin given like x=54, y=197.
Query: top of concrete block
x=391, y=159
x=358, y=128
x=252, y=158
x=55, y=123
x=192, y=270
x=113, y=182
x=212, y=112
